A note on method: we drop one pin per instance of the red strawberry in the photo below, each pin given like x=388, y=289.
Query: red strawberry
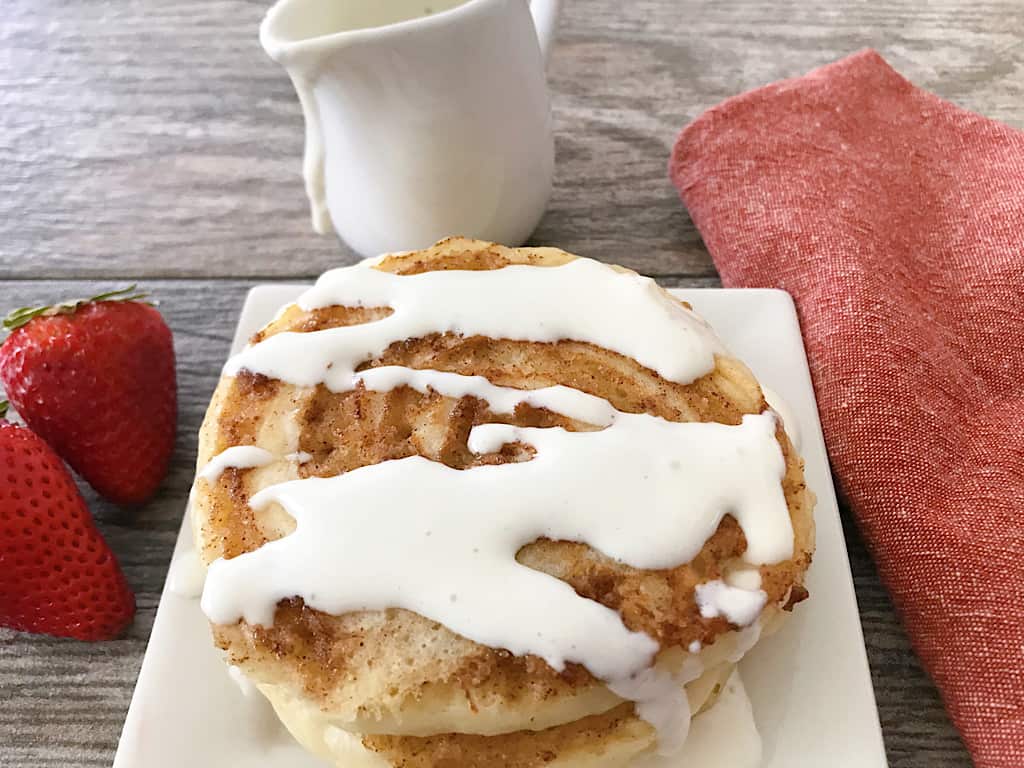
x=59, y=576
x=95, y=379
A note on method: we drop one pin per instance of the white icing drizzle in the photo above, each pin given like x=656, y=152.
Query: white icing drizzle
x=743, y=578
x=645, y=491
x=694, y=646
x=458, y=534
x=564, y=400
x=239, y=456
x=583, y=300
x=244, y=457
x=187, y=575
x=575, y=488
x=661, y=700
x=678, y=487
x=789, y=420
x=739, y=606
x=724, y=736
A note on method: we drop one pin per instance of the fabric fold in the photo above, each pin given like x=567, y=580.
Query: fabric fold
x=896, y=221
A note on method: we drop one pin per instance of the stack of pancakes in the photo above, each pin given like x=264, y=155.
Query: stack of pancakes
x=392, y=688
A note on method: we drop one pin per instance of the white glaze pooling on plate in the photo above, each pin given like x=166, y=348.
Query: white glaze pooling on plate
x=583, y=300
x=456, y=532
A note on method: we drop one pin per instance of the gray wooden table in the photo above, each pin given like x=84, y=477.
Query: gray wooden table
x=153, y=141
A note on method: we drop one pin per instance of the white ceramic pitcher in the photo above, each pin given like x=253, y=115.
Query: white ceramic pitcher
x=424, y=118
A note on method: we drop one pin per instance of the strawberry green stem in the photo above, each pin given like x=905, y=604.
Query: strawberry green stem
x=3, y=408
x=23, y=315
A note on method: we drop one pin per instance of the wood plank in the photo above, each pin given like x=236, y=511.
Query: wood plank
x=152, y=139
x=64, y=701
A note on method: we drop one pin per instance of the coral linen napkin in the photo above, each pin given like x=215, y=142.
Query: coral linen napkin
x=896, y=221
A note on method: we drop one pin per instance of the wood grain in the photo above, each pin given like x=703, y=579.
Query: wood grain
x=155, y=140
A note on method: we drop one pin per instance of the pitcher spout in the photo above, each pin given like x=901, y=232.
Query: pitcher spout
x=300, y=32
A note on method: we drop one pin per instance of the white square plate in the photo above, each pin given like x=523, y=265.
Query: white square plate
x=809, y=684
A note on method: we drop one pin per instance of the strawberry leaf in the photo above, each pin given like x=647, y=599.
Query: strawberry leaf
x=23, y=315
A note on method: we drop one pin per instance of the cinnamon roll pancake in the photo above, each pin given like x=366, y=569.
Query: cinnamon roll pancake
x=475, y=505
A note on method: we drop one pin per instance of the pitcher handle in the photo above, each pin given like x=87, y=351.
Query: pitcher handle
x=545, y=19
